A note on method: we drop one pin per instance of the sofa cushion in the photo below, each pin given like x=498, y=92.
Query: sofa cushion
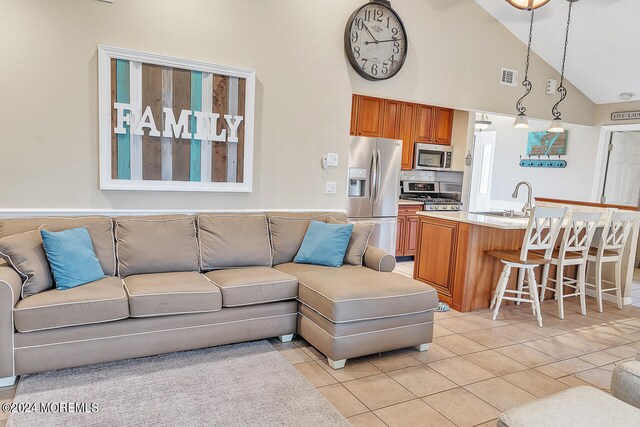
x=100, y=229
x=351, y=293
x=357, y=242
x=288, y=229
x=253, y=285
x=228, y=241
x=156, y=246
x=324, y=244
x=101, y=301
x=579, y=406
x=25, y=253
x=162, y=294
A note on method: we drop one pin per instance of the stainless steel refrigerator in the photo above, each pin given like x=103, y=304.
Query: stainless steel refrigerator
x=374, y=186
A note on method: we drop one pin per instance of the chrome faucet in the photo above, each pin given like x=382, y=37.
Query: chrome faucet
x=527, y=206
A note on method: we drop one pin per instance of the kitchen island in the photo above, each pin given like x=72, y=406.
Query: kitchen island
x=452, y=253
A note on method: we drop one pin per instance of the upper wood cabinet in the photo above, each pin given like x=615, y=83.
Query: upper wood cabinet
x=443, y=126
x=370, y=116
x=424, y=123
x=391, y=119
x=407, y=133
x=354, y=114
x=409, y=122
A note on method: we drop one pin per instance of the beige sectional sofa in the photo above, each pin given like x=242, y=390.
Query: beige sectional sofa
x=179, y=282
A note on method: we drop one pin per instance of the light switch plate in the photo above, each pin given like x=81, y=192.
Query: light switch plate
x=332, y=160
x=331, y=187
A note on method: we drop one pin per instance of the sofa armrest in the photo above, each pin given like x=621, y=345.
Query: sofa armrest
x=625, y=383
x=10, y=287
x=379, y=260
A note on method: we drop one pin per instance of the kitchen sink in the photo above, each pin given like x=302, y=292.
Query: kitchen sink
x=504, y=214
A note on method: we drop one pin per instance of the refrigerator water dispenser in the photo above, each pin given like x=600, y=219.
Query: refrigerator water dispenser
x=357, y=181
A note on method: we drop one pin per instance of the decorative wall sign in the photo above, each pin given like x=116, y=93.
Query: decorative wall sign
x=174, y=124
x=547, y=143
x=626, y=115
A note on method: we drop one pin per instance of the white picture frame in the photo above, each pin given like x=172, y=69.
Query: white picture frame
x=107, y=182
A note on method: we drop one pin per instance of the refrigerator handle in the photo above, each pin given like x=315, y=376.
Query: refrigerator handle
x=378, y=175
x=373, y=176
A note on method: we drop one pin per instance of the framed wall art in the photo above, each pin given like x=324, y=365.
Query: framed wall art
x=169, y=124
x=547, y=143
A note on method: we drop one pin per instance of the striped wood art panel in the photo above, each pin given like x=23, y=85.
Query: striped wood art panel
x=178, y=159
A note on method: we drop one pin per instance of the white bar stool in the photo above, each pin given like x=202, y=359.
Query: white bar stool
x=611, y=249
x=574, y=250
x=541, y=234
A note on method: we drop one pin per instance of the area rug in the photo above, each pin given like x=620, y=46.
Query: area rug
x=248, y=384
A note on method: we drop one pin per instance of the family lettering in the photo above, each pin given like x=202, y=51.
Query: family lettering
x=206, y=124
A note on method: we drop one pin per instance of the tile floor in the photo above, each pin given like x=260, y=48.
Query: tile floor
x=474, y=369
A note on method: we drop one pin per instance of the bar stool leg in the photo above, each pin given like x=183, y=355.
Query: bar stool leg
x=533, y=291
x=560, y=289
x=502, y=285
x=520, y=282
x=619, y=282
x=599, y=284
x=582, y=273
x=545, y=279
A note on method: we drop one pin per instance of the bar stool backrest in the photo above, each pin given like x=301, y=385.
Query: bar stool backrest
x=616, y=232
x=579, y=233
x=542, y=231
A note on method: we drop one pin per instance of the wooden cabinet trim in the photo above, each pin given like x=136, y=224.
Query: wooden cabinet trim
x=370, y=116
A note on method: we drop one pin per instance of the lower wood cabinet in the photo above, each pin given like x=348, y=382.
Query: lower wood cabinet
x=436, y=264
x=407, y=232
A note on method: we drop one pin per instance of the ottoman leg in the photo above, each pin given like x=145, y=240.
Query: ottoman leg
x=286, y=338
x=336, y=364
x=422, y=347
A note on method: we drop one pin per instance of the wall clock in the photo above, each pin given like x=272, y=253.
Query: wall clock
x=375, y=41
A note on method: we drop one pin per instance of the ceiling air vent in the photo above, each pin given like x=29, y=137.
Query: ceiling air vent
x=509, y=77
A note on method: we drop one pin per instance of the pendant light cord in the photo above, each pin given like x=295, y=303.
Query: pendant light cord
x=526, y=83
x=561, y=89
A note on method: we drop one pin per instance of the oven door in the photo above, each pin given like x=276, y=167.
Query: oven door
x=431, y=157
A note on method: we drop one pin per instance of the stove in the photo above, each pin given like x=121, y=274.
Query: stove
x=428, y=193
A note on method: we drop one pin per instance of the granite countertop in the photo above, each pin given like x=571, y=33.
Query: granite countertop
x=408, y=202
x=504, y=223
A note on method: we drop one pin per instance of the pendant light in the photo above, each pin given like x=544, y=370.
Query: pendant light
x=483, y=123
x=521, y=120
x=556, y=124
x=527, y=4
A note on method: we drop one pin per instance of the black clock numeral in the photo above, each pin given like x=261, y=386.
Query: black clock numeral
x=364, y=63
x=359, y=24
x=367, y=15
x=354, y=36
x=396, y=47
x=385, y=69
x=378, y=15
x=374, y=69
x=356, y=52
x=388, y=17
x=394, y=32
x=392, y=59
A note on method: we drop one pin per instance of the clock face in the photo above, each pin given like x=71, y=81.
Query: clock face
x=375, y=41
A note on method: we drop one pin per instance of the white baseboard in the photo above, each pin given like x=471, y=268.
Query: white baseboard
x=15, y=213
x=7, y=382
x=609, y=297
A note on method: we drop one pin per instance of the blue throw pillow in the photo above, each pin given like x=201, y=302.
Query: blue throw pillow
x=71, y=257
x=324, y=244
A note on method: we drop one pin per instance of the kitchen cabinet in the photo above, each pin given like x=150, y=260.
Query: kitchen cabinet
x=407, y=134
x=354, y=114
x=391, y=119
x=370, y=116
x=407, y=232
x=442, y=126
x=409, y=122
x=435, y=266
x=424, y=124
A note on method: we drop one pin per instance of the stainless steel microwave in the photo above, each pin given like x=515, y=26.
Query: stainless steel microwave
x=432, y=157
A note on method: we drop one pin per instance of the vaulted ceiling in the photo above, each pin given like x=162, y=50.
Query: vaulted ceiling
x=603, y=57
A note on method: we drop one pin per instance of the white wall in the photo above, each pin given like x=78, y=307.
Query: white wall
x=48, y=82
x=574, y=182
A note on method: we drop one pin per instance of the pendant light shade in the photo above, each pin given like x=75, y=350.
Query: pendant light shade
x=521, y=122
x=527, y=4
x=483, y=123
x=556, y=126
